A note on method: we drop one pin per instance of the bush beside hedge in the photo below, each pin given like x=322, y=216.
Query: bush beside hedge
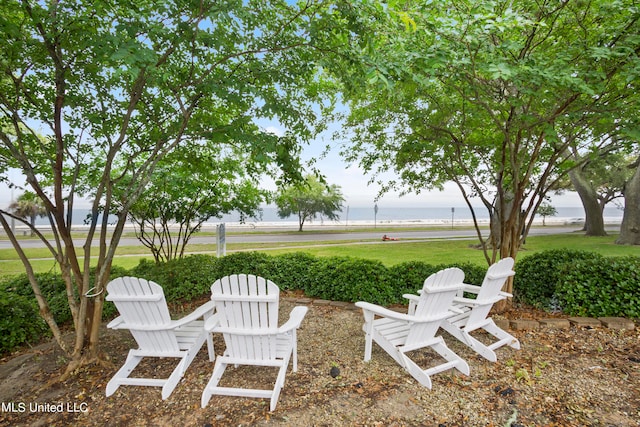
x=537, y=276
x=183, y=279
x=20, y=320
x=601, y=287
x=579, y=283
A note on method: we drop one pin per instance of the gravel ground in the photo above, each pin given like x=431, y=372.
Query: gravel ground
x=574, y=377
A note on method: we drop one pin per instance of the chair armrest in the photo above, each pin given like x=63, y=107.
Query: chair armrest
x=472, y=289
x=475, y=302
x=413, y=302
x=199, y=312
x=384, y=312
x=211, y=323
x=295, y=319
x=465, y=301
x=411, y=297
x=117, y=323
x=503, y=275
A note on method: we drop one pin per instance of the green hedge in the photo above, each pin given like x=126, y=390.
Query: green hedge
x=601, y=287
x=409, y=277
x=20, y=321
x=183, y=279
x=537, y=276
x=351, y=279
x=189, y=278
x=579, y=283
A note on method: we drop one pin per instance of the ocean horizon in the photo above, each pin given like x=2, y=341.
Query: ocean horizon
x=366, y=215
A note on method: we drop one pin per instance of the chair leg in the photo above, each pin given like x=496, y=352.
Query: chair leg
x=368, y=333
x=416, y=371
x=210, y=349
x=175, y=377
x=448, y=354
x=277, y=388
x=471, y=342
x=124, y=372
x=218, y=371
x=503, y=337
x=294, y=345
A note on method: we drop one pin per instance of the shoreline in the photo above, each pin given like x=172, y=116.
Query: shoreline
x=338, y=225
x=399, y=223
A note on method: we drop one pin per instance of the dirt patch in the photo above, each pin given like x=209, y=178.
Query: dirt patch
x=575, y=377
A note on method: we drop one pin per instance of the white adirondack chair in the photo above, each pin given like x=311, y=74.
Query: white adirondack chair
x=247, y=317
x=399, y=334
x=474, y=312
x=144, y=312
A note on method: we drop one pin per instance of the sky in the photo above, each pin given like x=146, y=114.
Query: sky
x=353, y=182
x=357, y=191
x=350, y=177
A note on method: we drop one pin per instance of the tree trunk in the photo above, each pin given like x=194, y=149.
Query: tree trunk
x=594, y=220
x=630, y=228
x=43, y=305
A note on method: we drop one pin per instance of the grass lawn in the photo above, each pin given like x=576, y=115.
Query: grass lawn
x=449, y=251
x=389, y=253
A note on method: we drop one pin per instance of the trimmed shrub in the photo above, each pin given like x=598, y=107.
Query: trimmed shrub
x=53, y=290
x=408, y=277
x=184, y=279
x=20, y=321
x=291, y=271
x=538, y=275
x=601, y=287
x=257, y=263
x=351, y=279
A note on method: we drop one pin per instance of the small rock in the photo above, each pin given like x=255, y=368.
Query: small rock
x=334, y=372
x=507, y=391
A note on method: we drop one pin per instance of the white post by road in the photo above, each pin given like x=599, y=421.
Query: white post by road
x=221, y=242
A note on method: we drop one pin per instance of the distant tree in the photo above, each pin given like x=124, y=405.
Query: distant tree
x=545, y=210
x=190, y=186
x=630, y=228
x=309, y=199
x=28, y=206
x=598, y=182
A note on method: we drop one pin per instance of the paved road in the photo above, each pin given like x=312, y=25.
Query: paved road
x=312, y=236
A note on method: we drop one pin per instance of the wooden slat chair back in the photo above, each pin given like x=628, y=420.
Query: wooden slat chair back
x=247, y=317
x=144, y=312
x=398, y=333
x=435, y=300
x=247, y=303
x=143, y=308
x=475, y=311
x=490, y=291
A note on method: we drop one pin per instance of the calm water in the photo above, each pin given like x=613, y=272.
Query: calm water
x=387, y=214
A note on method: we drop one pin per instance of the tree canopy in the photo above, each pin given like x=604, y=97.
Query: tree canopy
x=93, y=95
x=495, y=96
x=190, y=186
x=308, y=199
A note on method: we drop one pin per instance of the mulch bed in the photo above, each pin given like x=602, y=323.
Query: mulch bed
x=560, y=377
